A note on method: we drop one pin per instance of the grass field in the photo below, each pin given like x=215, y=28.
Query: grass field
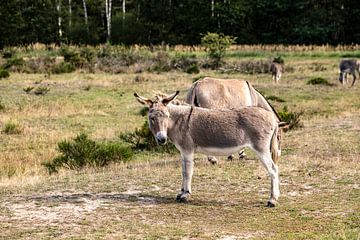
x=319, y=169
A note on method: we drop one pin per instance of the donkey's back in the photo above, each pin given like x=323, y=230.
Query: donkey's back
x=218, y=93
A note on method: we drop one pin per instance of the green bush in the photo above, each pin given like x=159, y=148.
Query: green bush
x=292, y=118
x=275, y=98
x=41, y=90
x=82, y=151
x=63, y=67
x=14, y=62
x=4, y=73
x=185, y=62
x=11, y=128
x=193, y=69
x=216, y=44
x=72, y=56
x=318, y=81
x=28, y=89
x=161, y=62
x=2, y=105
x=143, y=139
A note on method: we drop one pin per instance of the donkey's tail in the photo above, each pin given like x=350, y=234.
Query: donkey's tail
x=191, y=95
x=275, y=144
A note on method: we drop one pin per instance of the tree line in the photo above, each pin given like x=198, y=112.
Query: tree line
x=171, y=22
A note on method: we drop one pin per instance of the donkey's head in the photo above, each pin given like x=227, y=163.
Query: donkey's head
x=158, y=115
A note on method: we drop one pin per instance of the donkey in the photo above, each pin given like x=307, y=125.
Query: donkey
x=348, y=66
x=217, y=132
x=217, y=93
x=276, y=69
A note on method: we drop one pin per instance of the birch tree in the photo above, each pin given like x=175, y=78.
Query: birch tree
x=86, y=17
x=70, y=13
x=58, y=9
x=108, y=18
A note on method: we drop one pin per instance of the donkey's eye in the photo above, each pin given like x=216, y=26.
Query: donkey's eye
x=152, y=120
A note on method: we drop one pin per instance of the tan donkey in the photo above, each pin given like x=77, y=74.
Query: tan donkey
x=214, y=132
x=215, y=93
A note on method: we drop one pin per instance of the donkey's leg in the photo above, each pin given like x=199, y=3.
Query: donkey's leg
x=187, y=172
x=278, y=76
x=273, y=171
x=354, y=78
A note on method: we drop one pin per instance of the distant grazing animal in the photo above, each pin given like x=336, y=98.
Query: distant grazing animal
x=217, y=132
x=217, y=93
x=349, y=66
x=276, y=69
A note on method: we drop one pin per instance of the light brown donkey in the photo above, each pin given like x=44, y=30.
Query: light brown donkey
x=216, y=132
x=218, y=93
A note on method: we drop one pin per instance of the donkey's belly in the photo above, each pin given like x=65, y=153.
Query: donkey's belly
x=219, y=151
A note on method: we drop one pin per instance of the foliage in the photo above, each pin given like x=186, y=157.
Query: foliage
x=25, y=22
x=216, y=45
x=63, y=67
x=28, y=89
x=292, y=118
x=82, y=151
x=41, y=90
x=275, y=98
x=4, y=73
x=11, y=128
x=142, y=139
x=2, y=105
x=318, y=81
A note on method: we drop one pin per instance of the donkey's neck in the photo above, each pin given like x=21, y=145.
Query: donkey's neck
x=180, y=116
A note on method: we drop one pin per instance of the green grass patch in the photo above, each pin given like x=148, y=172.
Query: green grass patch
x=11, y=128
x=318, y=81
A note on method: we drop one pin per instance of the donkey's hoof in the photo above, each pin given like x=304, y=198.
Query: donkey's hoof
x=271, y=204
x=183, y=197
x=213, y=160
x=242, y=154
x=230, y=158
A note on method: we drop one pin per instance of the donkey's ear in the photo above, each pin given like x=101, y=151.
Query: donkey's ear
x=143, y=100
x=168, y=99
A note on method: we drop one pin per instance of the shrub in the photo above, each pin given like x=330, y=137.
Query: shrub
x=4, y=73
x=275, y=98
x=185, y=62
x=28, y=89
x=292, y=118
x=2, y=105
x=161, y=62
x=11, y=128
x=216, y=44
x=15, y=63
x=82, y=151
x=71, y=56
x=143, y=139
x=250, y=67
x=39, y=64
x=41, y=90
x=193, y=69
x=63, y=67
x=318, y=81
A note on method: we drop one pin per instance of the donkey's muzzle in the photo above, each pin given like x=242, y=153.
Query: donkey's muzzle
x=161, y=138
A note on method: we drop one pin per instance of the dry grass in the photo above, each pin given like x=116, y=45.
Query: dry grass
x=319, y=168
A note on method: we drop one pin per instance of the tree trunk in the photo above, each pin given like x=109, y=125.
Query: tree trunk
x=124, y=11
x=108, y=18
x=212, y=8
x=86, y=17
x=70, y=13
x=58, y=9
